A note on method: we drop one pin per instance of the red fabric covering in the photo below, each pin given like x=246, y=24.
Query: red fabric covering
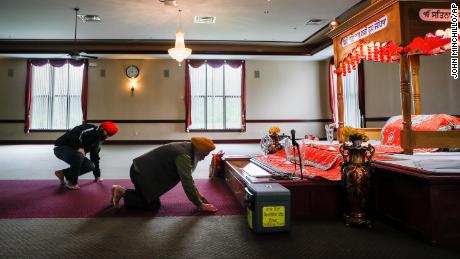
x=437, y=122
x=45, y=199
x=427, y=45
x=321, y=160
x=28, y=96
x=279, y=160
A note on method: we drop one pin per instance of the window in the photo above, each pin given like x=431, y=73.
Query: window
x=352, y=113
x=353, y=96
x=56, y=95
x=216, y=100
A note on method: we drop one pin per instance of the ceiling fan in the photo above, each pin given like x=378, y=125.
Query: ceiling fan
x=76, y=54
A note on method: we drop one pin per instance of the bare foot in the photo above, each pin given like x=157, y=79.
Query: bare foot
x=60, y=175
x=117, y=193
x=98, y=179
x=72, y=187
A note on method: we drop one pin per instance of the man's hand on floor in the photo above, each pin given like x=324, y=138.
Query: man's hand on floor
x=202, y=198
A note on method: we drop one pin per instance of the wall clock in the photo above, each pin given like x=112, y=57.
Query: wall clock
x=132, y=71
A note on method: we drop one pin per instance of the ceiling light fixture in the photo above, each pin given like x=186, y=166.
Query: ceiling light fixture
x=179, y=52
x=334, y=23
x=169, y=2
x=205, y=19
x=90, y=18
x=315, y=21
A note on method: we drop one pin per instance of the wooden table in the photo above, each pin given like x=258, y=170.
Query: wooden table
x=423, y=202
x=309, y=199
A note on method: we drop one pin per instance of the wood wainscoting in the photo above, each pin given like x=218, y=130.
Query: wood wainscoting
x=309, y=199
x=421, y=202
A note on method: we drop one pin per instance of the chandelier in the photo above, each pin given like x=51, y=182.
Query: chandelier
x=179, y=52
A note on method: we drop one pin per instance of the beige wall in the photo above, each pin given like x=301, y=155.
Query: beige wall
x=439, y=92
x=12, y=89
x=285, y=90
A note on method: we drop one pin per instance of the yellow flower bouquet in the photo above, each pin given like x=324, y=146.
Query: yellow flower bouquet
x=273, y=130
x=351, y=134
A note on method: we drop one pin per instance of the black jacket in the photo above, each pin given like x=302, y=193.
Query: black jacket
x=86, y=136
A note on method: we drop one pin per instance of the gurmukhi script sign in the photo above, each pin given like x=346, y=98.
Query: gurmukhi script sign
x=362, y=33
x=434, y=15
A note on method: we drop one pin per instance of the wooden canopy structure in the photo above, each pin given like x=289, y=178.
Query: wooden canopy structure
x=396, y=31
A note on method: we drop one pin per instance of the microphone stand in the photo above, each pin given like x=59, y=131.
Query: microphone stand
x=300, y=159
x=294, y=145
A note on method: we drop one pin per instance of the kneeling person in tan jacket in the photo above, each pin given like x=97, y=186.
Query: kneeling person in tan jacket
x=159, y=170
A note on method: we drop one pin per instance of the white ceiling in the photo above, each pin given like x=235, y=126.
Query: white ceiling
x=237, y=20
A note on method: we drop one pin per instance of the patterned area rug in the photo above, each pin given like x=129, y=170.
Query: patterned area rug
x=46, y=199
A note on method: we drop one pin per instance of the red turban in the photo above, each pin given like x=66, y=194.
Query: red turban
x=110, y=127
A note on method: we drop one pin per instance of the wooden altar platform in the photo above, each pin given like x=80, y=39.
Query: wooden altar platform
x=424, y=202
x=309, y=199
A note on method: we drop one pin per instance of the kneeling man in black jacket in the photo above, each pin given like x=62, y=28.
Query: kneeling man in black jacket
x=73, y=146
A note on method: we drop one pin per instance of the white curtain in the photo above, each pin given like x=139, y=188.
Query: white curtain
x=233, y=97
x=56, y=97
x=215, y=97
x=198, y=96
x=333, y=80
x=352, y=114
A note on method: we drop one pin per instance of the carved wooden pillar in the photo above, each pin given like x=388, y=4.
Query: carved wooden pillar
x=340, y=108
x=406, y=105
x=415, y=67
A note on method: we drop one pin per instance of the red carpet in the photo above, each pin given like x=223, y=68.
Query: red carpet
x=46, y=199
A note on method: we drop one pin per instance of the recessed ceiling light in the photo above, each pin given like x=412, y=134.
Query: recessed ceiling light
x=90, y=18
x=315, y=21
x=205, y=19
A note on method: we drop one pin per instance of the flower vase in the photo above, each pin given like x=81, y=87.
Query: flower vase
x=355, y=171
x=276, y=143
x=356, y=143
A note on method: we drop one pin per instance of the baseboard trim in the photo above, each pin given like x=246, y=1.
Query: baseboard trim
x=137, y=121
x=11, y=121
x=183, y=121
x=376, y=119
x=288, y=121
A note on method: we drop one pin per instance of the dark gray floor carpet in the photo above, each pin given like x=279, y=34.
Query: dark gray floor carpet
x=204, y=237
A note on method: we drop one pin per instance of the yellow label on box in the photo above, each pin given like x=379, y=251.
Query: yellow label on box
x=273, y=216
x=250, y=218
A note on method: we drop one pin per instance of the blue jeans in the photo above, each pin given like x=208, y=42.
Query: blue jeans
x=79, y=164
